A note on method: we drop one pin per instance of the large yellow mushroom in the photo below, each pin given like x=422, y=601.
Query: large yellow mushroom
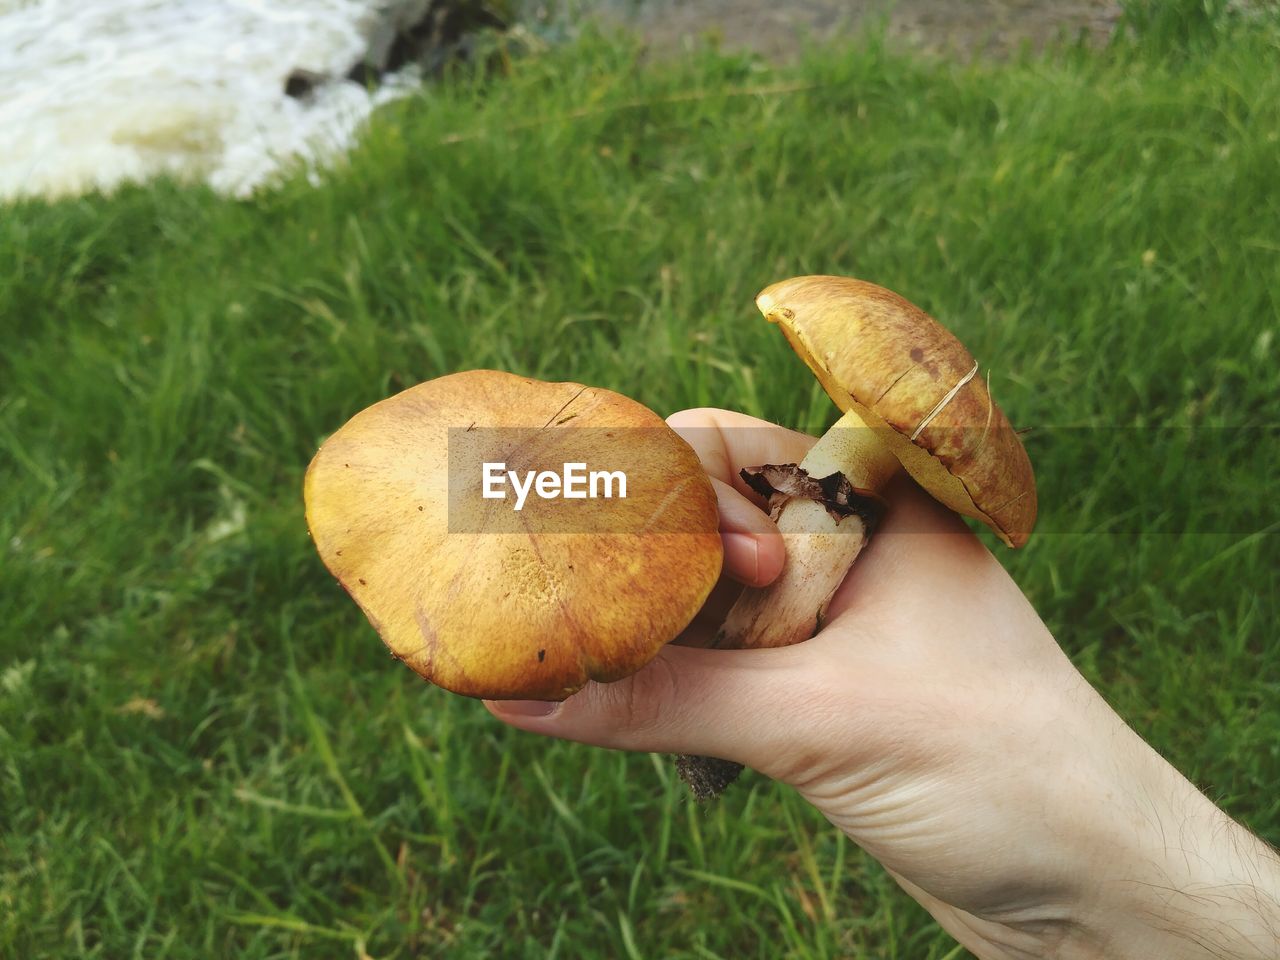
x=535, y=592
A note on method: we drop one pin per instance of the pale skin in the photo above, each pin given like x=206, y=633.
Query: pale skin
x=937, y=723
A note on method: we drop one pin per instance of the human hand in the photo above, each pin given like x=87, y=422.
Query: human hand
x=937, y=723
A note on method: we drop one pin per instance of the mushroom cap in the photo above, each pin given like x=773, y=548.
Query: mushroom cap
x=916, y=385
x=488, y=601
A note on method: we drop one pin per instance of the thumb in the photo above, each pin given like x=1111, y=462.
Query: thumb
x=741, y=705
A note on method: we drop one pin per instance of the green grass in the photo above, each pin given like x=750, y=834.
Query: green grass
x=204, y=749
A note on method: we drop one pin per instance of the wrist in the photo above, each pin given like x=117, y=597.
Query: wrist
x=1181, y=881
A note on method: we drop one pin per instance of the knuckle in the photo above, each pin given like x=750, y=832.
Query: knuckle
x=694, y=417
x=642, y=703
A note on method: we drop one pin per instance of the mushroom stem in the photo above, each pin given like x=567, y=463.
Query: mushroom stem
x=820, y=548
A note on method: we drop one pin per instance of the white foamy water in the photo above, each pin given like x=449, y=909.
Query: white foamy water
x=95, y=92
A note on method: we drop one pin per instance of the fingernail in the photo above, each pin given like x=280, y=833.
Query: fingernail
x=526, y=708
x=742, y=554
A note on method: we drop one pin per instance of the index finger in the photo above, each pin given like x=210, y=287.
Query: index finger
x=726, y=442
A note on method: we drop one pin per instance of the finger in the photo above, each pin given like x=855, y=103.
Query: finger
x=741, y=705
x=753, y=548
x=726, y=442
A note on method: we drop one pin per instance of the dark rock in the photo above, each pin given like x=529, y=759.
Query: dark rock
x=430, y=33
x=300, y=83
